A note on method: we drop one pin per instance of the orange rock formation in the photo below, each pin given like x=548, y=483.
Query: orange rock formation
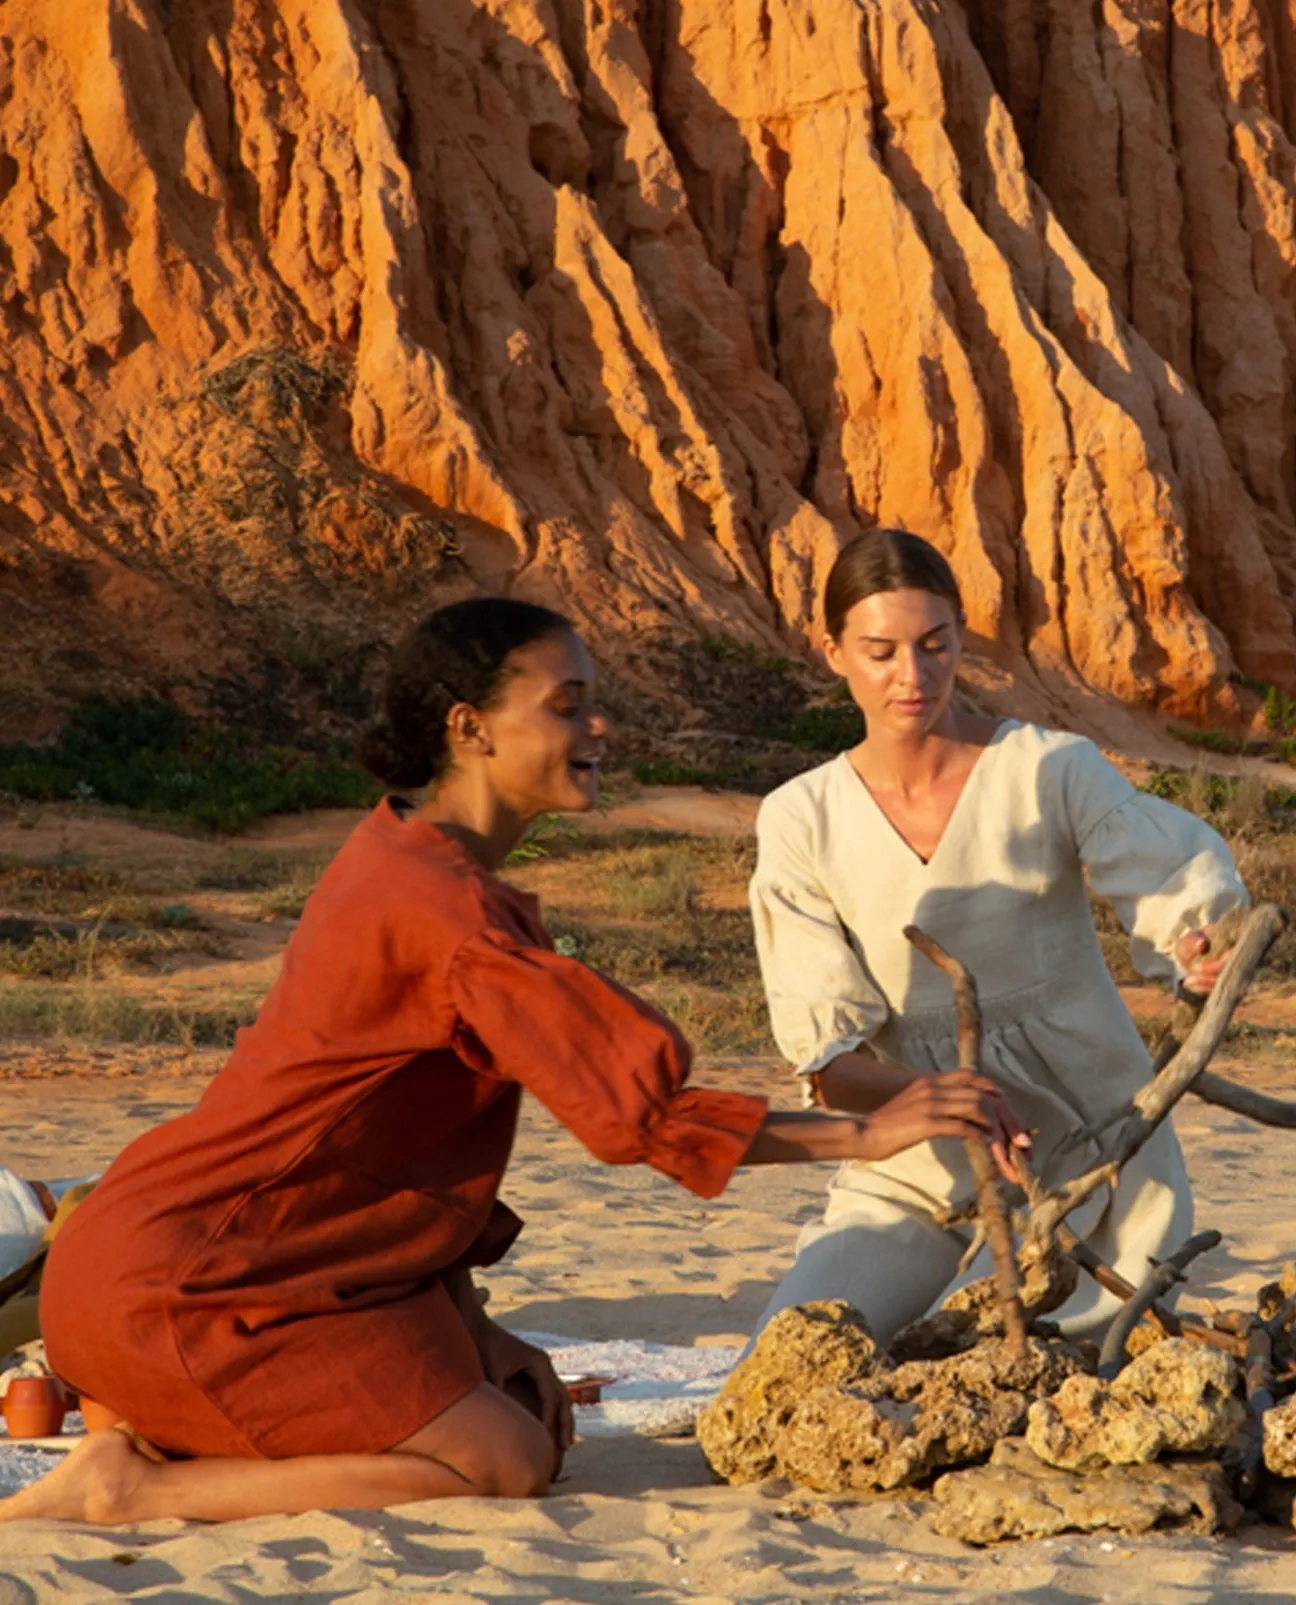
x=316, y=309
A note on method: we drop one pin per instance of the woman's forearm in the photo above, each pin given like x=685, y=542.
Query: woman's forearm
x=787, y=1136
x=858, y=1083
x=958, y=1104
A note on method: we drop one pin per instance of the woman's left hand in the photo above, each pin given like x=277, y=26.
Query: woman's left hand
x=1201, y=965
x=506, y=1357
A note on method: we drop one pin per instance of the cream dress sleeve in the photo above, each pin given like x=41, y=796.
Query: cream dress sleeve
x=1164, y=870
x=822, y=1002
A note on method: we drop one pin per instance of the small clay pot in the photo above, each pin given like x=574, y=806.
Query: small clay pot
x=34, y=1407
x=585, y=1390
x=98, y=1417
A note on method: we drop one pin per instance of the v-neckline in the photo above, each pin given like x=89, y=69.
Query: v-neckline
x=914, y=854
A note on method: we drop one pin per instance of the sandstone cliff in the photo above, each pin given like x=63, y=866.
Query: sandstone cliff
x=314, y=310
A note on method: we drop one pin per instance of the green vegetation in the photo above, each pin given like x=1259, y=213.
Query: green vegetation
x=824, y=728
x=1209, y=740
x=670, y=772
x=1280, y=712
x=148, y=755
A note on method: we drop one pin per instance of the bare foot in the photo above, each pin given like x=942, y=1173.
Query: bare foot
x=98, y=1482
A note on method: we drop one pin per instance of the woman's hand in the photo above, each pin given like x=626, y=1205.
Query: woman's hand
x=962, y=1103
x=506, y=1359
x=1196, y=958
x=959, y=1104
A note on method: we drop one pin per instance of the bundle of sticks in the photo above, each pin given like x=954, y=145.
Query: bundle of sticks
x=1194, y=1035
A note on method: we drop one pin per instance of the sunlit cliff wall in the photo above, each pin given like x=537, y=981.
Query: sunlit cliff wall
x=315, y=311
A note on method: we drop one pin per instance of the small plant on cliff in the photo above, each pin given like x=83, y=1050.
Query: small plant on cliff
x=150, y=756
x=1280, y=712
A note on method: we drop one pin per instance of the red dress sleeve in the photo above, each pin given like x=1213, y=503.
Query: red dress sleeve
x=604, y=1062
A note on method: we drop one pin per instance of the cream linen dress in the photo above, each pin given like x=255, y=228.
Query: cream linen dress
x=1005, y=892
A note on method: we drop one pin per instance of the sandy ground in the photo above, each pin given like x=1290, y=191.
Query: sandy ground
x=613, y=1253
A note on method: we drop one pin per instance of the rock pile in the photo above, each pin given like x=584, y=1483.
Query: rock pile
x=1028, y=1446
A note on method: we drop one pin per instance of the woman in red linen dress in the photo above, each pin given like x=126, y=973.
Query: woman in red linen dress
x=274, y=1290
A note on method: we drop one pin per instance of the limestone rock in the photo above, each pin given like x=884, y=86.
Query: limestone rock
x=1146, y=1335
x=974, y=1312
x=813, y=1403
x=841, y=1441
x=802, y=1352
x=1280, y=1438
x=1018, y=1496
x=613, y=305
x=1178, y=1396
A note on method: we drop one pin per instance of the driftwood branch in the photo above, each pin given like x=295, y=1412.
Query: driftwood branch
x=991, y=1205
x=1261, y=1396
x=1187, y=1326
x=1159, y=1281
x=1123, y=1134
x=1259, y=1106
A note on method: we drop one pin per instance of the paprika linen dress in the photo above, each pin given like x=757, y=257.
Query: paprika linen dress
x=1005, y=892
x=263, y=1276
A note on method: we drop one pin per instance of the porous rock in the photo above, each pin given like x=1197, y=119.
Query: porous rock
x=975, y=1312
x=1179, y=1396
x=854, y=1423
x=799, y=1354
x=1280, y=1438
x=841, y=1441
x=1017, y=1495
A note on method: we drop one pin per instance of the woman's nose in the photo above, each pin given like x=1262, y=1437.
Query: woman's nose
x=599, y=722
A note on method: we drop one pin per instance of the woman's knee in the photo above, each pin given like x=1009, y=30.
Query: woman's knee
x=493, y=1444
x=517, y=1461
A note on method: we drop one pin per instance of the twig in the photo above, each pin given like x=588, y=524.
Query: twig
x=1187, y=1326
x=1159, y=1280
x=1261, y=1388
x=1126, y=1132
x=990, y=1200
x=1110, y=1279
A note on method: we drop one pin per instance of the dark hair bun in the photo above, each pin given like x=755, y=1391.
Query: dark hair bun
x=458, y=654
x=384, y=754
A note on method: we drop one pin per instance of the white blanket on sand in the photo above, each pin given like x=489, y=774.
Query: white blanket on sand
x=658, y=1389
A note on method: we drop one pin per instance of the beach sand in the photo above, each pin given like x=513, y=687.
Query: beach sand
x=623, y=1253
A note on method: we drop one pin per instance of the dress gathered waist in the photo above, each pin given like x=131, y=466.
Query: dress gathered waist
x=1005, y=1009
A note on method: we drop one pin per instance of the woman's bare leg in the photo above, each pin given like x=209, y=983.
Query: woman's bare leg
x=484, y=1444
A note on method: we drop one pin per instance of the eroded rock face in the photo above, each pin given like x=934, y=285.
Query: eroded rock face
x=1176, y=1397
x=651, y=313
x=1018, y=1496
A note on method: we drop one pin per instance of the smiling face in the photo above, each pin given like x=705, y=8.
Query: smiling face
x=539, y=747
x=898, y=652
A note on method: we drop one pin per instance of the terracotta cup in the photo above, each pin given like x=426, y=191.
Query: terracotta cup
x=585, y=1390
x=34, y=1407
x=98, y=1417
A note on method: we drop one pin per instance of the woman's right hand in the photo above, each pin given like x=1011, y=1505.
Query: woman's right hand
x=960, y=1103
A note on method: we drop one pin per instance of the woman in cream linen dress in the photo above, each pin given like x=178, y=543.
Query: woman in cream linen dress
x=1005, y=892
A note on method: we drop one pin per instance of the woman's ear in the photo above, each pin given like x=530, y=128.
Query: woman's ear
x=467, y=729
x=833, y=654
